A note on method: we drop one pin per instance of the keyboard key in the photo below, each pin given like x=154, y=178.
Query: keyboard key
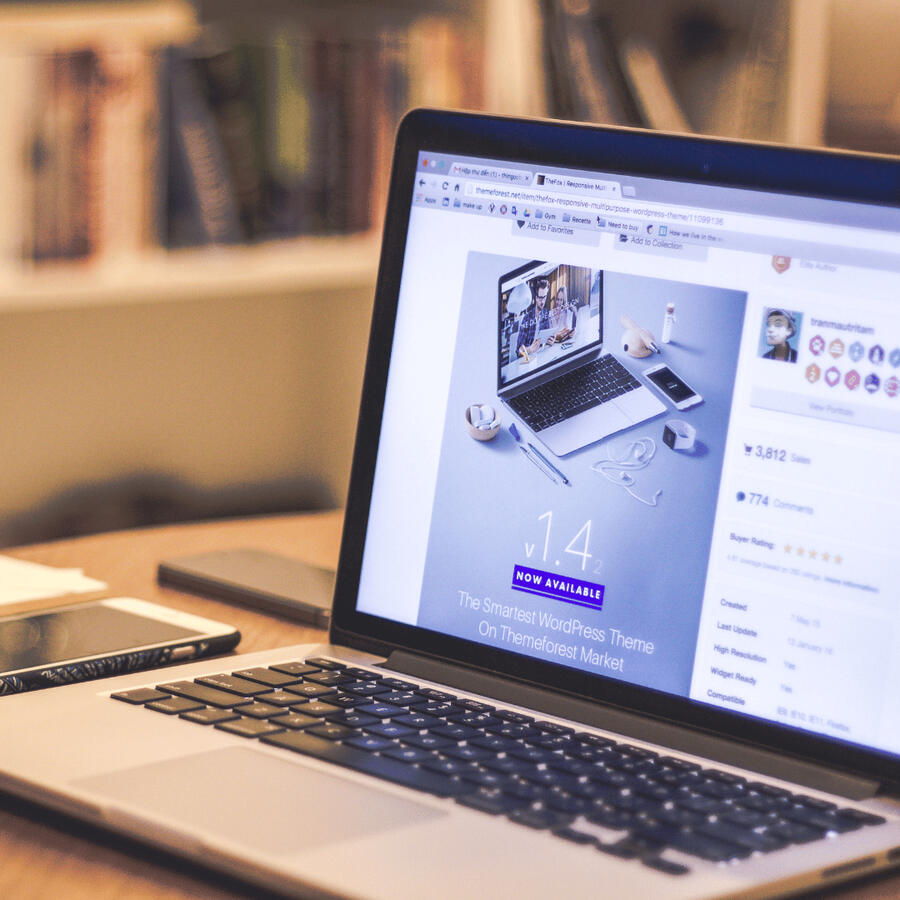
x=278, y=698
x=381, y=710
x=491, y=801
x=827, y=820
x=595, y=740
x=351, y=718
x=392, y=770
x=408, y=754
x=331, y=731
x=373, y=743
x=795, y=832
x=233, y=684
x=862, y=817
x=173, y=706
x=449, y=766
x=815, y=803
x=418, y=721
x=294, y=720
x=246, y=727
x=310, y=689
x=260, y=710
x=429, y=741
x=761, y=841
x=665, y=865
x=346, y=701
x=575, y=836
x=209, y=716
x=540, y=818
x=362, y=688
x=486, y=778
x=529, y=754
x=512, y=730
x=317, y=708
x=492, y=742
x=294, y=668
x=396, y=684
x=320, y=662
x=360, y=674
x=271, y=677
x=442, y=708
x=475, y=719
x=139, y=696
x=510, y=765
x=206, y=696
x=468, y=752
x=610, y=816
x=401, y=698
x=456, y=732
x=329, y=678
x=389, y=730
x=695, y=844
x=477, y=706
x=507, y=715
x=432, y=694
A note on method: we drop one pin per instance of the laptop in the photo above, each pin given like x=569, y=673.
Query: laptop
x=665, y=665
x=552, y=371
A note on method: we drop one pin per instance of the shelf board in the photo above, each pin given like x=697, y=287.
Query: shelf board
x=288, y=268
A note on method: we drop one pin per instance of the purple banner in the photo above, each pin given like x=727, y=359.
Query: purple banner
x=557, y=587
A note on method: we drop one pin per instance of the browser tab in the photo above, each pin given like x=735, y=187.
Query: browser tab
x=594, y=186
x=491, y=173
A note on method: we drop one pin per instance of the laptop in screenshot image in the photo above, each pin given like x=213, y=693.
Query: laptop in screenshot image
x=552, y=371
x=631, y=632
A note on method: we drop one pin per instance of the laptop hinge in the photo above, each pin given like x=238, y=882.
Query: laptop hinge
x=599, y=715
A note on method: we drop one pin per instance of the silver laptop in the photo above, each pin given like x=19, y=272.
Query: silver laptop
x=553, y=371
x=670, y=668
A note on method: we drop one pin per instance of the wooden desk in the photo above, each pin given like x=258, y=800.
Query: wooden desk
x=44, y=856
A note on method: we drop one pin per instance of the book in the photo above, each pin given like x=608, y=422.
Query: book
x=202, y=203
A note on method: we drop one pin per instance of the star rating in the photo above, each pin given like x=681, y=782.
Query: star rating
x=824, y=556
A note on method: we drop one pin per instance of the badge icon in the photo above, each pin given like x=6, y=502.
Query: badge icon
x=781, y=263
x=876, y=355
x=856, y=351
x=872, y=383
x=895, y=357
x=851, y=380
x=892, y=386
x=817, y=345
x=836, y=348
x=832, y=376
x=813, y=373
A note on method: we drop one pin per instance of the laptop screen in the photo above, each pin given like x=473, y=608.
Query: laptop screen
x=738, y=550
x=549, y=313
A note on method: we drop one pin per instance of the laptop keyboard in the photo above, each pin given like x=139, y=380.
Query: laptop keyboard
x=540, y=774
x=573, y=392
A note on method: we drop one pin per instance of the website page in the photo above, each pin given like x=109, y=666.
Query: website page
x=648, y=431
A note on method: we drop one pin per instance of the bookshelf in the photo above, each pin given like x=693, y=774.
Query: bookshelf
x=276, y=268
x=157, y=326
x=163, y=149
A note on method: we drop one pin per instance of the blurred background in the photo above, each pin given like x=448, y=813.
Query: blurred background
x=190, y=198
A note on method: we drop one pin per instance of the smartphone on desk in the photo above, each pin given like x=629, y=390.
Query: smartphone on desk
x=105, y=637
x=256, y=578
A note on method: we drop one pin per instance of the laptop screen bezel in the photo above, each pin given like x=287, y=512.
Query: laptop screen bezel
x=715, y=162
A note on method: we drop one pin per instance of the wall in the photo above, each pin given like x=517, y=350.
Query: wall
x=220, y=402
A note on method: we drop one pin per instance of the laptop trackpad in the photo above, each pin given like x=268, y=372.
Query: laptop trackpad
x=247, y=796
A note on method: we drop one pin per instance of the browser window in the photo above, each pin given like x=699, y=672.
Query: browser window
x=720, y=550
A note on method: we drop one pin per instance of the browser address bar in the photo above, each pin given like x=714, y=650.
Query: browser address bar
x=702, y=218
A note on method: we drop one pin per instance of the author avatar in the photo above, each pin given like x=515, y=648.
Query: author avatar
x=779, y=330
